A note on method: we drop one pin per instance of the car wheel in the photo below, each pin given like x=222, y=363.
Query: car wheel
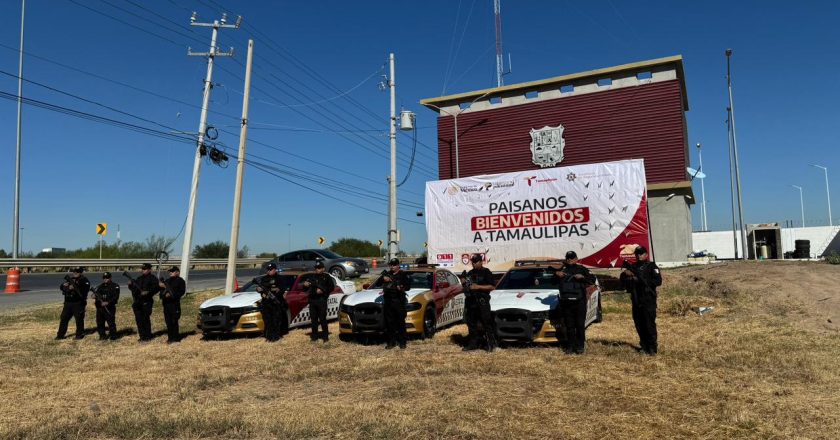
x=599, y=315
x=338, y=272
x=429, y=323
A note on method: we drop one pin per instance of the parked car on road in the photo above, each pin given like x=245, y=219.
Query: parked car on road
x=340, y=267
x=525, y=302
x=435, y=299
x=238, y=312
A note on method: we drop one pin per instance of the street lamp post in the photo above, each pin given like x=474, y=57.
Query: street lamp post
x=455, y=117
x=290, y=237
x=703, y=190
x=801, y=203
x=827, y=193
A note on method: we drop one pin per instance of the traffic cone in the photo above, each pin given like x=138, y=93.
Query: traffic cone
x=235, y=284
x=374, y=263
x=13, y=280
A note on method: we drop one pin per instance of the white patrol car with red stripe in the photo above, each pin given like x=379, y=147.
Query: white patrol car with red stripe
x=526, y=301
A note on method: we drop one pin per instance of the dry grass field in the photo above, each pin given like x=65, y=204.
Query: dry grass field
x=763, y=364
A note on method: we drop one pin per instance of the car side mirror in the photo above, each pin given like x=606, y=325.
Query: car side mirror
x=366, y=286
x=443, y=285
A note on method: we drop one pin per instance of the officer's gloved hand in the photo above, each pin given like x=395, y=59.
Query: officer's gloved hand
x=259, y=289
x=275, y=290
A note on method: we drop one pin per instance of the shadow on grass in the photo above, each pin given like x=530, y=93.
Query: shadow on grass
x=611, y=343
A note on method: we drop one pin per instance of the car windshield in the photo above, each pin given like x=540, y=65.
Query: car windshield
x=286, y=280
x=418, y=280
x=329, y=255
x=533, y=278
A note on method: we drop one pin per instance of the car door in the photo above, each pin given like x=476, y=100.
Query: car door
x=287, y=260
x=298, y=301
x=307, y=260
x=593, y=298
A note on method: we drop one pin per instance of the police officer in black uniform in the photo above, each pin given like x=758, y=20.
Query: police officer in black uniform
x=75, y=291
x=395, y=283
x=319, y=286
x=479, y=283
x=172, y=290
x=572, y=306
x=105, y=297
x=641, y=280
x=143, y=290
x=273, y=304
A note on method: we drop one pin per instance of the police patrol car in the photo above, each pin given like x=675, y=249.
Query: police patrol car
x=526, y=301
x=238, y=313
x=435, y=299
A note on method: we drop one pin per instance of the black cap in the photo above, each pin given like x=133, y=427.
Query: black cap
x=106, y=275
x=174, y=269
x=394, y=262
x=319, y=264
x=571, y=255
x=640, y=250
x=476, y=258
x=146, y=266
x=78, y=269
x=270, y=266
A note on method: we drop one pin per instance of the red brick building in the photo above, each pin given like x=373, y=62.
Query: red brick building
x=632, y=111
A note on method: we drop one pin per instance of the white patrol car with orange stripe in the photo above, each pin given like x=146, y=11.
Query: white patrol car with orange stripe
x=435, y=299
x=526, y=301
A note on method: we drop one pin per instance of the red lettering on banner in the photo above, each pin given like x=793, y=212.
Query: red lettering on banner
x=530, y=219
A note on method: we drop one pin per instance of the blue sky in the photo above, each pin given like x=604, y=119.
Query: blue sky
x=77, y=173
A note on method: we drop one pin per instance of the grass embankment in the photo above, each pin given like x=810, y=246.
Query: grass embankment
x=739, y=372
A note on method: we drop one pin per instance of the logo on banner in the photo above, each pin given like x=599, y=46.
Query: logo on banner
x=547, y=146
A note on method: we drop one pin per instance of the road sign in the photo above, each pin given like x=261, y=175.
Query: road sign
x=425, y=244
x=381, y=243
x=102, y=229
x=321, y=240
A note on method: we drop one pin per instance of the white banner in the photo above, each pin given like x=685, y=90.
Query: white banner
x=597, y=210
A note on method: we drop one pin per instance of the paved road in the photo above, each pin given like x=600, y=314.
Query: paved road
x=42, y=288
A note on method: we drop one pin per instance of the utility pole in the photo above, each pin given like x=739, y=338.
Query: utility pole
x=240, y=173
x=497, y=12
x=16, y=226
x=731, y=180
x=735, y=153
x=202, y=128
x=392, y=179
x=703, y=189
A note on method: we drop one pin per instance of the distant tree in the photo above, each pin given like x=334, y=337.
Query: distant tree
x=217, y=249
x=267, y=255
x=353, y=247
x=3, y=254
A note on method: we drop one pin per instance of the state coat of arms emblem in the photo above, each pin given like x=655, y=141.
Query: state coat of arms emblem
x=547, y=146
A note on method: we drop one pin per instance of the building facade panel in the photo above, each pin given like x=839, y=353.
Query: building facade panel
x=645, y=121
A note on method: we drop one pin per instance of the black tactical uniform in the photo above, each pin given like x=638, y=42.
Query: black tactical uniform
x=273, y=306
x=75, y=291
x=477, y=315
x=170, y=298
x=143, y=291
x=394, y=303
x=105, y=298
x=642, y=288
x=318, y=302
x=572, y=306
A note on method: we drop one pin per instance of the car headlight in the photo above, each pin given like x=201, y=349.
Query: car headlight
x=411, y=307
x=250, y=309
x=350, y=263
x=345, y=308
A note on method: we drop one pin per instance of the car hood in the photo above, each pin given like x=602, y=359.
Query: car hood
x=234, y=300
x=534, y=300
x=375, y=295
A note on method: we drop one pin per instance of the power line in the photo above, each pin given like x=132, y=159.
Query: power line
x=124, y=22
